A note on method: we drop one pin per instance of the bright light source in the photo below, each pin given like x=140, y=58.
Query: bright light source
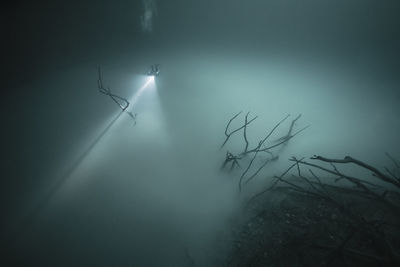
x=150, y=79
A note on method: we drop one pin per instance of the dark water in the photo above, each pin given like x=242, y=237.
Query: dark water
x=82, y=185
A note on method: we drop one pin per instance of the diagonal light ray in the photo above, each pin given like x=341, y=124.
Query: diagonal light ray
x=32, y=215
x=136, y=97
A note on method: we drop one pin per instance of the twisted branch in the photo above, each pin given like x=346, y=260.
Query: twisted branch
x=122, y=103
x=259, y=147
x=228, y=135
x=375, y=171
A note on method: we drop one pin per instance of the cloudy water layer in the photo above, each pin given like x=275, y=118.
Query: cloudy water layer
x=90, y=183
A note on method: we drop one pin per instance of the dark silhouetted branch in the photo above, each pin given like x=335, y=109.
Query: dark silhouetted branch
x=228, y=135
x=122, y=103
x=260, y=168
x=278, y=178
x=356, y=215
x=245, y=132
x=261, y=143
x=395, y=162
x=284, y=140
x=261, y=146
x=230, y=158
x=288, y=136
x=374, y=170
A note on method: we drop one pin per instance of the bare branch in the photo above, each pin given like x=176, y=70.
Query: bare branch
x=356, y=181
x=228, y=135
x=285, y=140
x=268, y=135
x=245, y=171
x=231, y=158
x=288, y=136
x=122, y=103
x=273, y=184
x=260, y=168
x=337, y=173
x=349, y=159
x=305, y=179
x=392, y=174
x=245, y=132
x=260, y=146
x=395, y=162
x=361, y=222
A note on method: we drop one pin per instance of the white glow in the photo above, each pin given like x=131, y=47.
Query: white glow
x=135, y=98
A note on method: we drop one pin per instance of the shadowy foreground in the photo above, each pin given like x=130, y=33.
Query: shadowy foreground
x=316, y=215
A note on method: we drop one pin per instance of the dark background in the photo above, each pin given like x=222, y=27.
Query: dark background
x=59, y=33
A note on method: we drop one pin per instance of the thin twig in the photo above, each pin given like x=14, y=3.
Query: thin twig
x=228, y=135
x=257, y=148
x=245, y=133
x=393, y=160
x=260, y=168
x=122, y=103
x=272, y=186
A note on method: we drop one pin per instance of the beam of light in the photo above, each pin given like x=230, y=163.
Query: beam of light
x=42, y=203
x=91, y=146
x=150, y=80
x=139, y=92
x=151, y=123
x=95, y=141
x=61, y=181
x=29, y=219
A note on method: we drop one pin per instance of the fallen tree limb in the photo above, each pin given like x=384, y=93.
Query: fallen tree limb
x=258, y=150
x=365, y=225
x=374, y=170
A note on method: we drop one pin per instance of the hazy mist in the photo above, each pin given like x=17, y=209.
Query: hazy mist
x=83, y=185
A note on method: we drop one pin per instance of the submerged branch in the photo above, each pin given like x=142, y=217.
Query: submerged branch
x=261, y=146
x=228, y=135
x=122, y=102
x=374, y=170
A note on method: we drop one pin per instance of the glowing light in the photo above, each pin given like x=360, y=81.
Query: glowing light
x=150, y=79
